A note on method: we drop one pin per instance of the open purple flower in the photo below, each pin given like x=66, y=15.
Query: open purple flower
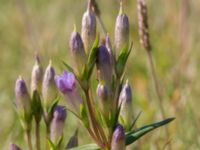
x=66, y=83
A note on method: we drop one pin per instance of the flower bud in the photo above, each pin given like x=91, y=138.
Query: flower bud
x=109, y=47
x=58, y=122
x=125, y=100
x=49, y=91
x=78, y=52
x=103, y=94
x=23, y=100
x=118, y=139
x=66, y=84
x=88, y=31
x=14, y=147
x=121, y=31
x=36, y=77
x=103, y=63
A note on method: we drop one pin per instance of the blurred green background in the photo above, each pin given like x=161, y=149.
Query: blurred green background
x=27, y=26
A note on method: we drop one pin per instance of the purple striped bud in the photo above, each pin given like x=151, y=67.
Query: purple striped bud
x=118, y=139
x=23, y=100
x=88, y=31
x=14, y=147
x=104, y=67
x=103, y=94
x=36, y=77
x=121, y=31
x=58, y=122
x=78, y=52
x=125, y=100
x=49, y=91
x=66, y=83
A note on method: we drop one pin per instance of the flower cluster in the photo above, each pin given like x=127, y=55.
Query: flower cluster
x=106, y=115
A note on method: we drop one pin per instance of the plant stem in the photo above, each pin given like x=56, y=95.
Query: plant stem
x=47, y=135
x=37, y=135
x=28, y=136
x=98, y=130
x=157, y=90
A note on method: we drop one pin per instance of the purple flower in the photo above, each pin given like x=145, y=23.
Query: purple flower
x=77, y=51
x=14, y=147
x=23, y=100
x=58, y=121
x=66, y=83
x=118, y=139
x=104, y=67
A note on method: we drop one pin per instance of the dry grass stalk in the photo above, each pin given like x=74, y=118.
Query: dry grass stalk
x=145, y=42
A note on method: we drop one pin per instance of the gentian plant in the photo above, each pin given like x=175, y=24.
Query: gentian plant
x=107, y=114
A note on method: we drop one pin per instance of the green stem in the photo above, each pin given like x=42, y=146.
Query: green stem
x=47, y=135
x=37, y=135
x=28, y=136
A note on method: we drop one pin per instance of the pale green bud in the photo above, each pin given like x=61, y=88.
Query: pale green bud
x=88, y=31
x=121, y=31
x=36, y=77
x=49, y=90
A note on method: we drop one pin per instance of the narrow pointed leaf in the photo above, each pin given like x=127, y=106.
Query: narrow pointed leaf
x=135, y=135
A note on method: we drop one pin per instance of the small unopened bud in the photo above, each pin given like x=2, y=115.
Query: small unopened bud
x=103, y=94
x=78, y=52
x=66, y=83
x=23, y=100
x=125, y=100
x=58, y=122
x=36, y=77
x=143, y=24
x=49, y=90
x=14, y=147
x=118, y=139
x=121, y=31
x=104, y=67
x=88, y=31
x=109, y=47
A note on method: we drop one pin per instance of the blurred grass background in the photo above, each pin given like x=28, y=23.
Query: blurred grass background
x=27, y=26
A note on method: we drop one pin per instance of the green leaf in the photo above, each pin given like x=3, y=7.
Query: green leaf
x=37, y=106
x=92, y=57
x=86, y=147
x=51, y=145
x=68, y=67
x=134, y=121
x=122, y=59
x=132, y=136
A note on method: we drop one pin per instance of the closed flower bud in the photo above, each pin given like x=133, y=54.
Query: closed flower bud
x=14, y=147
x=49, y=91
x=23, y=100
x=66, y=83
x=121, y=31
x=109, y=47
x=125, y=100
x=58, y=122
x=88, y=31
x=78, y=52
x=118, y=139
x=104, y=67
x=103, y=94
x=36, y=77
